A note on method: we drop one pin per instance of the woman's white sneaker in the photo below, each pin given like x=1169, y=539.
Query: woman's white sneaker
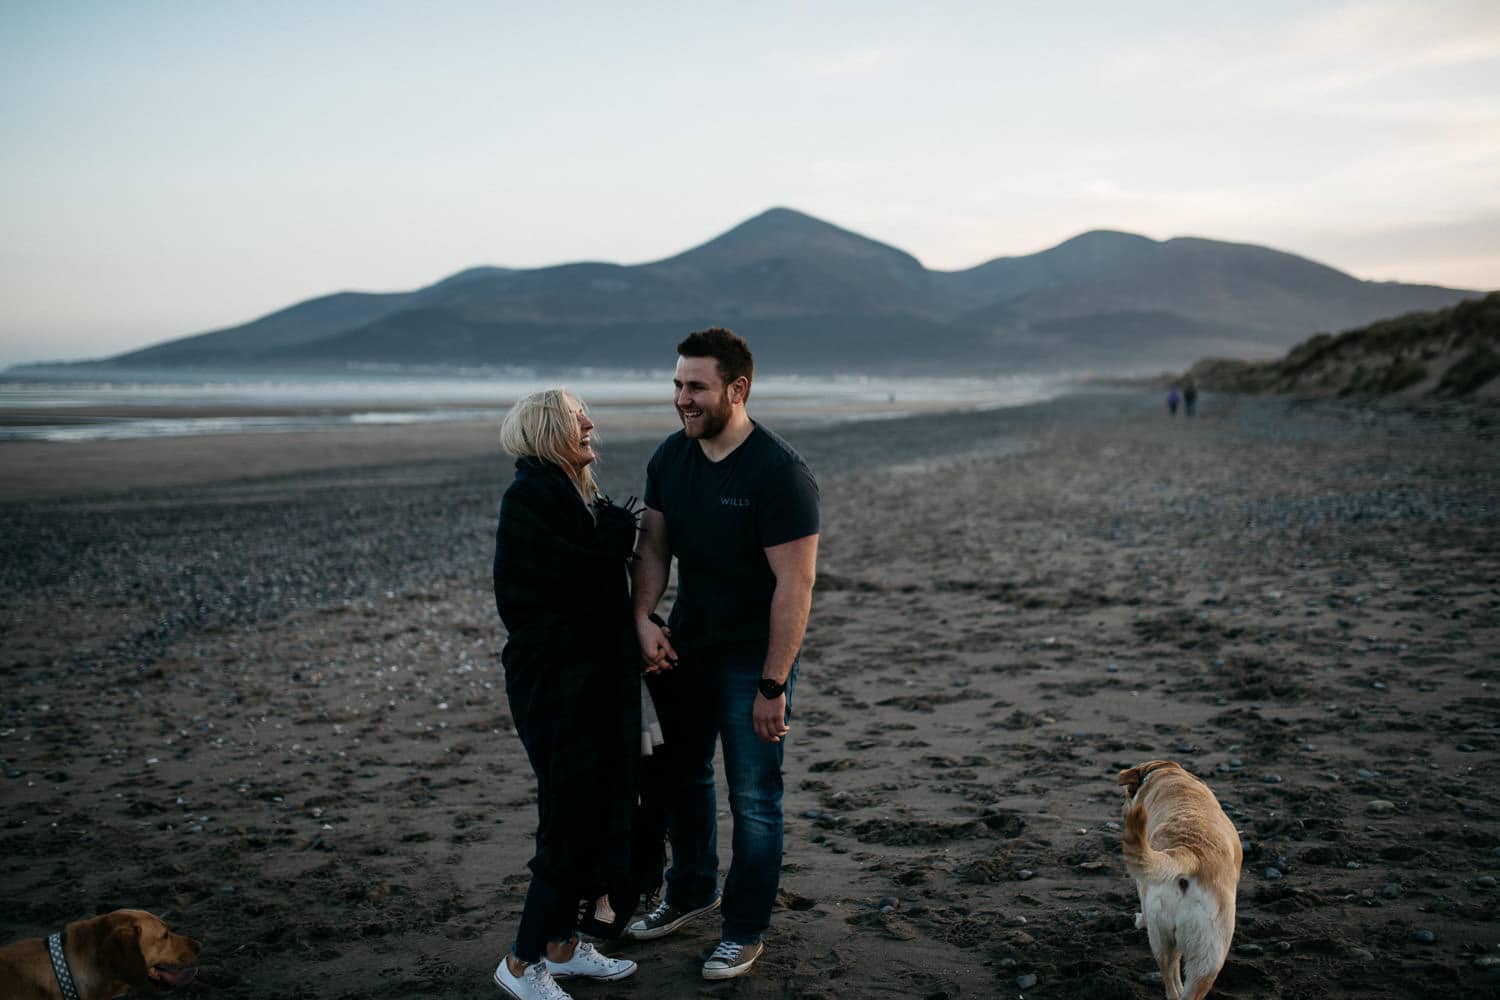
x=589, y=963
x=536, y=983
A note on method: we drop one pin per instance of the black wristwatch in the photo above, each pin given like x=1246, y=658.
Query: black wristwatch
x=771, y=689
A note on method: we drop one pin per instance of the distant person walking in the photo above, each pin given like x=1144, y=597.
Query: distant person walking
x=738, y=509
x=1172, y=399
x=1189, y=398
x=572, y=677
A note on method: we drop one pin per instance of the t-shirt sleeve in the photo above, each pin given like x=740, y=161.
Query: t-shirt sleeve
x=652, y=498
x=788, y=505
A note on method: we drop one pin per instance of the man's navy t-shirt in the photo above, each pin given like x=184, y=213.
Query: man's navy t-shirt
x=721, y=517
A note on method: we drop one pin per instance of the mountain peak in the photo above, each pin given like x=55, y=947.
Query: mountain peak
x=789, y=221
x=788, y=234
x=782, y=214
x=1118, y=237
x=479, y=273
x=1104, y=244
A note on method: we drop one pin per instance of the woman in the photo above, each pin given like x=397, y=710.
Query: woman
x=572, y=675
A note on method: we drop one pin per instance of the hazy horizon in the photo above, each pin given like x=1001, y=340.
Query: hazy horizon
x=171, y=170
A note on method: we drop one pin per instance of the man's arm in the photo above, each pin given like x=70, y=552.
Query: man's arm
x=794, y=564
x=648, y=576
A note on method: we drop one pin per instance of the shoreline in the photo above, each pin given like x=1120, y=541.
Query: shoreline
x=38, y=469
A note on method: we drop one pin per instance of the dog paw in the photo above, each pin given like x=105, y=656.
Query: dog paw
x=1140, y=921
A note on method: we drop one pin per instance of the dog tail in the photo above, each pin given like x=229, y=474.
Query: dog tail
x=1143, y=861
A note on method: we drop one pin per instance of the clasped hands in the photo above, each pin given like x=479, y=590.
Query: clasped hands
x=657, y=654
x=768, y=717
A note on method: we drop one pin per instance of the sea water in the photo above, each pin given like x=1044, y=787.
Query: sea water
x=62, y=406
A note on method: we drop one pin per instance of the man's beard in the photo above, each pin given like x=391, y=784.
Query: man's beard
x=713, y=420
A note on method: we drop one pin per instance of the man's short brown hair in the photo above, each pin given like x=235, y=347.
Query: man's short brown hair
x=727, y=348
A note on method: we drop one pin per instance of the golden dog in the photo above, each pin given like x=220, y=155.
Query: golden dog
x=1185, y=857
x=107, y=956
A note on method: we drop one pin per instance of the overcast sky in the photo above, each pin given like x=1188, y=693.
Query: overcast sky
x=168, y=168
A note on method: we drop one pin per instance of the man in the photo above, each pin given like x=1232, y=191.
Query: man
x=738, y=509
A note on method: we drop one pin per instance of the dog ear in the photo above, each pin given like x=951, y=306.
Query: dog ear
x=122, y=954
x=1133, y=777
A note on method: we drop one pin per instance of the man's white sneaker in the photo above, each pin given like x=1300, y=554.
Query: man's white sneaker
x=730, y=960
x=536, y=983
x=588, y=963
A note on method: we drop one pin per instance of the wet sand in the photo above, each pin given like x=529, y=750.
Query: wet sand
x=38, y=468
x=261, y=695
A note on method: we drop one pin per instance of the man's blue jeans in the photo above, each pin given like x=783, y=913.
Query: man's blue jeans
x=710, y=696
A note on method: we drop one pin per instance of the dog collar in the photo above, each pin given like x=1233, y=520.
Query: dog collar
x=1140, y=785
x=55, y=942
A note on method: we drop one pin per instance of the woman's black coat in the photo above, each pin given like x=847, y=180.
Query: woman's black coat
x=572, y=673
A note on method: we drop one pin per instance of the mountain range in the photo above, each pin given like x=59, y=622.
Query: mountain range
x=811, y=296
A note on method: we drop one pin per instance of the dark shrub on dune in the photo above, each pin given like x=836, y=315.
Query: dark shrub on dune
x=1402, y=373
x=1470, y=372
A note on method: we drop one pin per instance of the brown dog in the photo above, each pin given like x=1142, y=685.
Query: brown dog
x=1185, y=857
x=108, y=956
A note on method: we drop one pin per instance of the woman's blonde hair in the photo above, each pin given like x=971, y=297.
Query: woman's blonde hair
x=545, y=425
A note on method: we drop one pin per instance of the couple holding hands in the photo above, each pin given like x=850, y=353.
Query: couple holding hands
x=587, y=660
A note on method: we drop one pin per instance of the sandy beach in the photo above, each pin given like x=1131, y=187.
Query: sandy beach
x=252, y=683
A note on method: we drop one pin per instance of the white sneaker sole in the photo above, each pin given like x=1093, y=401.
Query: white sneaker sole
x=733, y=971
x=613, y=977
